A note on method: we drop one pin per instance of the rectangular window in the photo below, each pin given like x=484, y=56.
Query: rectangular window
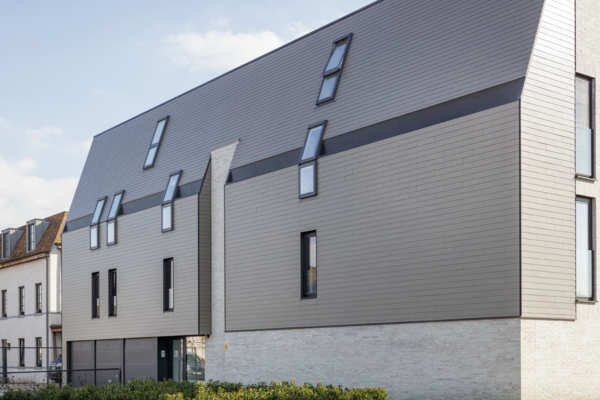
x=168, y=284
x=38, y=298
x=21, y=352
x=308, y=179
x=113, y=213
x=4, y=315
x=309, y=264
x=584, y=164
x=96, y=295
x=5, y=245
x=94, y=226
x=38, y=351
x=167, y=203
x=585, y=254
x=31, y=237
x=22, y=300
x=112, y=293
x=333, y=69
x=156, y=141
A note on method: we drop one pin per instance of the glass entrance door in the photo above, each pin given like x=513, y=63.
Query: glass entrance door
x=178, y=359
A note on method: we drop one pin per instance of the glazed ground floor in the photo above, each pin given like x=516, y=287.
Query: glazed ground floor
x=179, y=358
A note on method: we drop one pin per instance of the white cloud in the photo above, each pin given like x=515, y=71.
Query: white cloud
x=24, y=196
x=298, y=29
x=44, y=137
x=218, y=50
x=220, y=22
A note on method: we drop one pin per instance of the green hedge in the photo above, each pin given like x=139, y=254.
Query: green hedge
x=146, y=389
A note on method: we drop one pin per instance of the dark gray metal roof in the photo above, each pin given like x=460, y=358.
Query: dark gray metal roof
x=405, y=56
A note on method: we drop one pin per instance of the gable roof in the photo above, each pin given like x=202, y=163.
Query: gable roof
x=405, y=56
x=52, y=236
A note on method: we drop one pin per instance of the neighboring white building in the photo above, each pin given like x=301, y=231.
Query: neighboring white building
x=30, y=294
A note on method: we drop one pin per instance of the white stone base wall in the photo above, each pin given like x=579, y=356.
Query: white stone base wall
x=560, y=359
x=441, y=360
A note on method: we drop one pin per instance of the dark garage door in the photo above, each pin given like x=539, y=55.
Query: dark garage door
x=109, y=354
x=140, y=358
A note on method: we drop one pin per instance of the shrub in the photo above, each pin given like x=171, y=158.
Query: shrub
x=148, y=389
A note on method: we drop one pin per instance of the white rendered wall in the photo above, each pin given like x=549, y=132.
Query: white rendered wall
x=30, y=325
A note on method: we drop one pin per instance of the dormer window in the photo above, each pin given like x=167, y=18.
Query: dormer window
x=333, y=69
x=307, y=168
x=5, y=245
x=113, y=213
x=94, y=225
x=30, y=237
x=156, y=141
x=167, y=203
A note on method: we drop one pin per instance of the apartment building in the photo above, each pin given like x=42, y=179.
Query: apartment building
x=30, y=295
x=402, y=198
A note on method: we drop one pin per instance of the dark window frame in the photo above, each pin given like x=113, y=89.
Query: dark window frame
x=168, y=283
x=3, y=310
x=319, y=145
x=21, y=352
x=315, y=187
x=95, y=224
x=592, y=97
x=588, y=201
x=339, y=70
x=38, y=352
x=157, y=145
x=112, y=220
x=38, y=298
x=95, y=295
x=112, y=293
x=170, y=202
x=21, y=300
x=5, y=245
x=305, y=265
x=30, y=240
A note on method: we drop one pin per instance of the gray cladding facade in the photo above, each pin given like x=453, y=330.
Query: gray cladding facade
x=445, y=195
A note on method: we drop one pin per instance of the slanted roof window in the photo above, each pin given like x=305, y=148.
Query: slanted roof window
x=312, y=143
x=167, y=214
x=94, y=227
x=113, y=213
x=171, y=187
x=156, y=141
x=333, y=69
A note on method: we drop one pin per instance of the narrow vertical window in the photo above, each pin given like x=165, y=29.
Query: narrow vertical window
x=307, y=169
x=333, y=69
x=585, y=254
x=5, y=245
x=112, y=293
x=21, y=352
x=168, y=284
x=31, y=237
x=94, y=225
x=38, y=298
x=113, y=213
x=4, y=314
x=156, y=141
x=584, y=164
x=96, y=295
x=167, y=203
x=38, y=351
x=309, y=264
x=22, y=300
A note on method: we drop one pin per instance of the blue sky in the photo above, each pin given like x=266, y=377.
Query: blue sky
x=72, y=69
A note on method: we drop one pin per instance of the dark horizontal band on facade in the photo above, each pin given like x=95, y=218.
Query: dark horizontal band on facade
x=154, y=200
x=460, y=107
x=375, y=324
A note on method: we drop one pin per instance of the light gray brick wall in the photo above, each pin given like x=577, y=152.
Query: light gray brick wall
x=560, y=358
x=548, y=168
x=138, y=258
x=422, y=226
